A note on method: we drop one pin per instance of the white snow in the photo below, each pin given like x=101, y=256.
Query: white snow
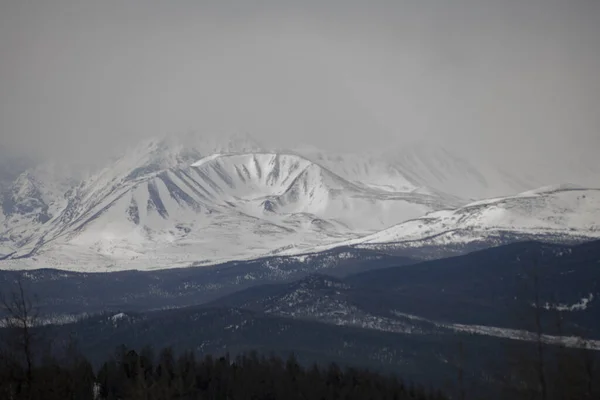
x=425, y=168
x=224, y=207
x=579, y=306
x=565, y=212
x=194, y=200
x=507, y=333
x=118, y=316
x=206, y=159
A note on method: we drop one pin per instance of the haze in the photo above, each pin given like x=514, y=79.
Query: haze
x=514, y=80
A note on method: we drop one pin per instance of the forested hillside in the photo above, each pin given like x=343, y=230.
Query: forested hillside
x=129, y=375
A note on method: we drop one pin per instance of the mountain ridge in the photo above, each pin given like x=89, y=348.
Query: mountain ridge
x=203, y=200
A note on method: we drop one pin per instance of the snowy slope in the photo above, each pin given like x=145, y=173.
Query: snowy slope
x=425, y=168
x=556, y=212
x=266, y=185
x=365, y=170
x=435, y=166
x=198, y=199
x=32, y=199
x=222, y=207
x=39, y=201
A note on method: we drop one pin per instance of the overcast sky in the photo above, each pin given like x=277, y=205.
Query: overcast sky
x=510, y=79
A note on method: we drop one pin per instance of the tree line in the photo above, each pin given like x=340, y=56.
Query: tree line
x=32, y=368
x=130, y=375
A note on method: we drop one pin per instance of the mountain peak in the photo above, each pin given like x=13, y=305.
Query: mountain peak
x=208, y=143
x=179, y=151
x=207, y=198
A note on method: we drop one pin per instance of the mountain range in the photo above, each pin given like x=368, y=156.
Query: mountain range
x=193, y=200
x=396, y=261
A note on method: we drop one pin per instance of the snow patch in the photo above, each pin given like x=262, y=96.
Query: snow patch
x=117, y=317
x=579, y=306
x=507, y=333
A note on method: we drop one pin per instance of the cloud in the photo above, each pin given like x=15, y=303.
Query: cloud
x=513, y=80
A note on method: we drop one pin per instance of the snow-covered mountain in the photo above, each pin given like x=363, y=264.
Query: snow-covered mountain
x=36, y=195
x=557, y=213
x=220, y=208
x=425, y=168
x=34, y=198
x=201, y=200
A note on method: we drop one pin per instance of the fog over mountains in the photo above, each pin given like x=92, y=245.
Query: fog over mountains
x=369, y=117
x=202, y=199
x=408, y=186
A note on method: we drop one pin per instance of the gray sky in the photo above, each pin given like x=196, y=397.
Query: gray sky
x=510, y=79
